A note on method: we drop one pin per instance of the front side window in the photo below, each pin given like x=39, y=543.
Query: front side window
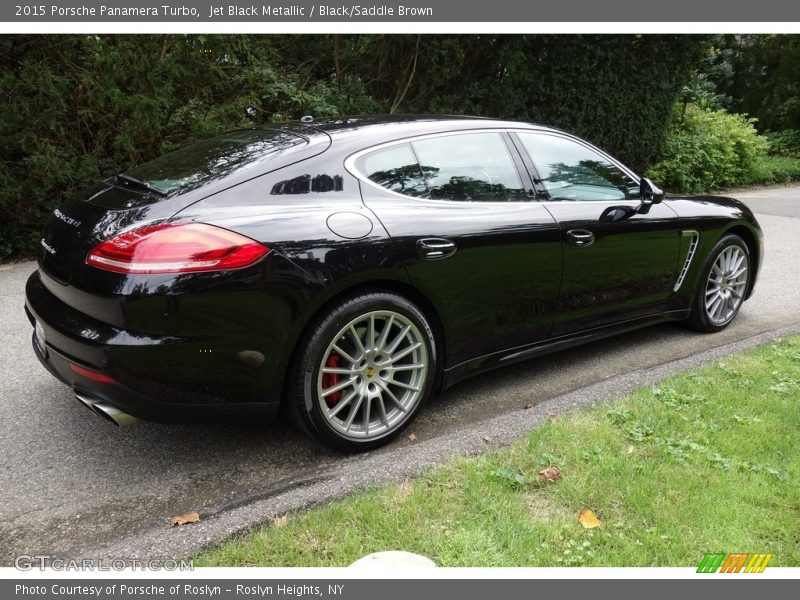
x=572, y=171
x=461, y=167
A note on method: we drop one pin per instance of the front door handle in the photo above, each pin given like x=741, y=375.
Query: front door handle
x=580, y=237
x=435, y=248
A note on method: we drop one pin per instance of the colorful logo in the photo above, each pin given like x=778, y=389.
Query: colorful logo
x=734, y=562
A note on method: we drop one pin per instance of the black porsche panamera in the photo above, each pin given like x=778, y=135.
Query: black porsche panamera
x=346, y=269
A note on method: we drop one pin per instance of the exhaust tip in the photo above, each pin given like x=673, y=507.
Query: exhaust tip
x=114, y=415
x=106, y=411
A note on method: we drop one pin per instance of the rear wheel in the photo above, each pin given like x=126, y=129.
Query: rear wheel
x=364, y=371
x=721, y=291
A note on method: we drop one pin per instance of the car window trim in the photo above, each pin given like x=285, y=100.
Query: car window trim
x=580, y=142
x=523, y=173
x=537, y=184
x=350, y=162
x=421, y=173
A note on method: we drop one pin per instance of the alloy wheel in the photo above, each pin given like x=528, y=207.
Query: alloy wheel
x=726, y=285
x=372, y=375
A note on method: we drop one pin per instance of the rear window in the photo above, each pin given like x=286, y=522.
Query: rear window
x=214, y=158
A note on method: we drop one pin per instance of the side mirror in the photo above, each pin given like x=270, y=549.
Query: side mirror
x=651, y=194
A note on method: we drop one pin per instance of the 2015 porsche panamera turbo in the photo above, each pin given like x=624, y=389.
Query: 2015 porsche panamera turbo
x=347, y=269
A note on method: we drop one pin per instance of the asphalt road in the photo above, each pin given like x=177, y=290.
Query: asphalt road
x=73, y=484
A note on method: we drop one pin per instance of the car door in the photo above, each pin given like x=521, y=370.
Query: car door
x=486, y=255
x=614, y=271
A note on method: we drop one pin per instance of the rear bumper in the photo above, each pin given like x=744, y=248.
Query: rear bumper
x=77, y=339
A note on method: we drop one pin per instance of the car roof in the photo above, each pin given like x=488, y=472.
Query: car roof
x=374, y=129
x=349, y=134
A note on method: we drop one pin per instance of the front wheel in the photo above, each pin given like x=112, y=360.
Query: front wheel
x=722, y=289
x=366, y=368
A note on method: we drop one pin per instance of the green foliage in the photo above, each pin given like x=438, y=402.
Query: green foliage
x=775, y=169
x=614, y=90
x=707, y=149
x=510, y=477
x=784, y=143
x=758, y=75
x=75, y=109
x=709, y=82
x=766, y=82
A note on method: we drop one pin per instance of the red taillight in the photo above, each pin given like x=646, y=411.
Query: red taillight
x=170, y=248
x=90, y=374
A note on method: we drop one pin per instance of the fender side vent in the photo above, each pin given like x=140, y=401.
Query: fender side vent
x=689, y=239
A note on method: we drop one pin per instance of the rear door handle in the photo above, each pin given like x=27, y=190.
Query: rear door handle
x=580, y=237
x=435, y=248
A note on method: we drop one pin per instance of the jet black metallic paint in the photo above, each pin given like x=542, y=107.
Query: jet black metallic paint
x=207, y=345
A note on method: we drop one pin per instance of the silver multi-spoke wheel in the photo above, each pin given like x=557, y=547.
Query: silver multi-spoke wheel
x=372, y=375
x=726, y=285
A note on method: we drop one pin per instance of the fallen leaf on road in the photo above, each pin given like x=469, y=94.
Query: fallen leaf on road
x=549, y=475
x=529, y=406
x=412, y=437
x=588, y=519
x=190, y=517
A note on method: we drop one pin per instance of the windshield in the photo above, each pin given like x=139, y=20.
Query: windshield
x=214, y=158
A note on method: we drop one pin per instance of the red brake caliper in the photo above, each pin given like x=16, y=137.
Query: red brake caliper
x=331, y=379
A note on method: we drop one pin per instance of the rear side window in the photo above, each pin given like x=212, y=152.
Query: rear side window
x=475, y=166
x=472, y=167
x=214, y=158
x=396, y=169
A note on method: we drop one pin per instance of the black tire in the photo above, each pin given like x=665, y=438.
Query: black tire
x=306, y=385
x=699, y=318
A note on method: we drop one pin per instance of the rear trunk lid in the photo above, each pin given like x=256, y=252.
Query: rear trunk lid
x=75, y=228
x=157, y=190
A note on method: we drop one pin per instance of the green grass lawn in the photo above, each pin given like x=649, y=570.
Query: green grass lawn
x=707, y=461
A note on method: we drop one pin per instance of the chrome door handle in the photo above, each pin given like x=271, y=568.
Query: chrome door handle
x=580, y=237
x=435, y=248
